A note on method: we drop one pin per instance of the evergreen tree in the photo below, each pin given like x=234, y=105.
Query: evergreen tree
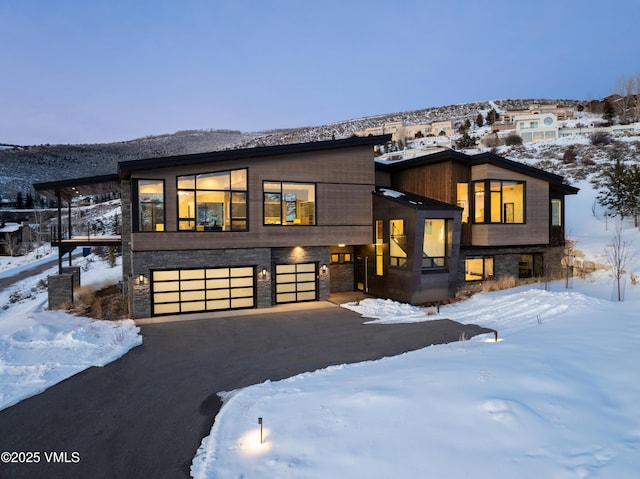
x=479, y=120
x=616, y=193
x=632, y=181
x=466, y=141
x=19, y=200
x=608, y=111
x=29, y=202
x=492, y=116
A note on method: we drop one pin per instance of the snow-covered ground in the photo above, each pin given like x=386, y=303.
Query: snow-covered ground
x=558, y=396
x=39, y=348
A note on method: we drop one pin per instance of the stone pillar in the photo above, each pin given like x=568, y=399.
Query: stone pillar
x=75, y=271
x=60, y=290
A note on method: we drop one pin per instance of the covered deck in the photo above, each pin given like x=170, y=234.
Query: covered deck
x=65, y=191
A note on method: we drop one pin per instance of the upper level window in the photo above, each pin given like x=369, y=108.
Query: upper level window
x=213, y=201
x=150, y=195
x=498, y=201
x=289, y=203
x=463, y=200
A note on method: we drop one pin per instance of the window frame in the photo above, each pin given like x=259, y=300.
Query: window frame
x=400, y=262
x=489, y=191
x=559, y=203
x=447, y=243
x=136, y=223
x=281, y=200
x=228, y=200
x=484, y=259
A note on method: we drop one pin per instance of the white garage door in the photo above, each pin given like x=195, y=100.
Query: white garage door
x=197, y=290
x=296, y=282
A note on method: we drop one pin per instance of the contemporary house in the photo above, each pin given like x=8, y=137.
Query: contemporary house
x=512, y=215
x=252, y=228
x=245, y=228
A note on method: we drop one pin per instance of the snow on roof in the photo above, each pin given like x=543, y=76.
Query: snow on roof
x=391, y=193
x=9, y=228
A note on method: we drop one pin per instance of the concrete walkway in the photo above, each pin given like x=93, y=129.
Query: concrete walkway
x=146, y=414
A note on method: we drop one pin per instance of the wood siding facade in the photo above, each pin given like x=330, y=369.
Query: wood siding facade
x=344, y=180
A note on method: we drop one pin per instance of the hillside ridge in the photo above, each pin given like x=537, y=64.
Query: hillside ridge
x=21, y=166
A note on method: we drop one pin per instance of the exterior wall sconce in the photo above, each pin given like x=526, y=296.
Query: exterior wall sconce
x=324, y=268
x=264, y=273
x=142, y=279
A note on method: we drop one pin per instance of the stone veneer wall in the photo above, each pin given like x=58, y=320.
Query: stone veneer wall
x=143, y=262
x=342, y=277
x=75, y=271
x=506, y=260
x=60, y=289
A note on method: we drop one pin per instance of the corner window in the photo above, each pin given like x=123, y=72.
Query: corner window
x=289, y=203
x=463, y=200
x=478, y=269
x=499, y=201
x=398, y=244
x=436, y=245
x=213, y=201
x=150, y=202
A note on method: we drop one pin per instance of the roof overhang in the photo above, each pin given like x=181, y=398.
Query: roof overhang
x=126, y=168
x=78, y=187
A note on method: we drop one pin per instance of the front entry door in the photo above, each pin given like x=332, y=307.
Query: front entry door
x=362, y=263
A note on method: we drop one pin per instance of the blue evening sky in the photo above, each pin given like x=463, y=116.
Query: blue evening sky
x=78, y=71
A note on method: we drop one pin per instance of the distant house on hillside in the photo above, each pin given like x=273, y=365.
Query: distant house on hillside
x=560, y=112
x=537, y=127
x=11, y=237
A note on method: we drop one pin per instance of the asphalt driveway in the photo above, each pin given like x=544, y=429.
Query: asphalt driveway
x=146, y=414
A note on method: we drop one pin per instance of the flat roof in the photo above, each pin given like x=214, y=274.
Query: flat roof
x=78, y=187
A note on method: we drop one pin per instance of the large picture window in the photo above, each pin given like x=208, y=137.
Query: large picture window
x=289, y=203
x=499, y=201
x=150, y=205
x=213, y=201
x=436, y=245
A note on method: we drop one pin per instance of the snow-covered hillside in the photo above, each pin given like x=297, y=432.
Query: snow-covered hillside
x=23, y=166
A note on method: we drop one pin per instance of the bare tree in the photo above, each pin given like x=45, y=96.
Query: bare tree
x=635, y=97
x=618, y=255
x=624, y=87
x=568, y=257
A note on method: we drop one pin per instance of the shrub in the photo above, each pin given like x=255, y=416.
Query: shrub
x=598, y=138
x=513, y=139
x=569, y=155
x=499, y=284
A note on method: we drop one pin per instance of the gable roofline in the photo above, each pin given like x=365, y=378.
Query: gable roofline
x=474, y=160
x=125, y=168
